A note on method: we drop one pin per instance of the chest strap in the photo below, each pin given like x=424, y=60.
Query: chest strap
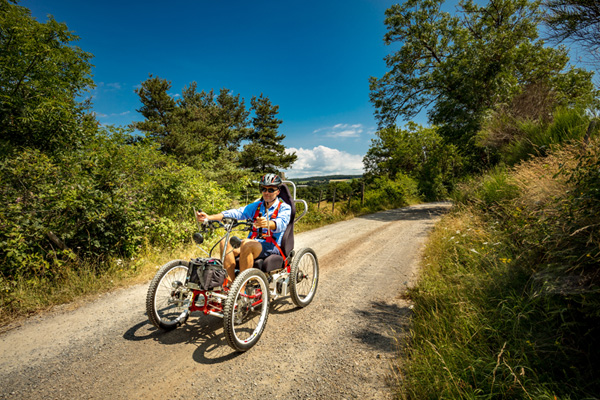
x=268, y=238
x=271, y=217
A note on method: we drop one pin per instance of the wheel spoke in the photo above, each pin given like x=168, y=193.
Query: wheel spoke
x=166, y=308
x=305, y=275
x=246, y=310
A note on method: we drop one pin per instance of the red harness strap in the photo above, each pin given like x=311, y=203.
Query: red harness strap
x=268, y=238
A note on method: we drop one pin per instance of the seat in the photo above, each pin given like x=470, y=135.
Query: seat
x=275, y=261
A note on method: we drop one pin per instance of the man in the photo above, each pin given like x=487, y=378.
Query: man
x=272, y=227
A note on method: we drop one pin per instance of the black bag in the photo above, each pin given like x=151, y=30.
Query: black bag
x=208, y=273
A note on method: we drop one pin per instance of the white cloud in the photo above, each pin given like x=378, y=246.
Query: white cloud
x=108, y=87
x=323, y=160
x=341, y=130
x=100, y=115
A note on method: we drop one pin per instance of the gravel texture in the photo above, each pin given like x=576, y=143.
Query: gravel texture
x=342, y=346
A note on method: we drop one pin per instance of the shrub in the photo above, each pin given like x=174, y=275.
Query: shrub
x=568, y=126
x=509, y=299
x=109, y=199
x=386, y=193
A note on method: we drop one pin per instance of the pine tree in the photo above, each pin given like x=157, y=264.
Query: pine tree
x=265, y=153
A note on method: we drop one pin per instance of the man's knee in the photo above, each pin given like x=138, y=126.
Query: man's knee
x=250, y=246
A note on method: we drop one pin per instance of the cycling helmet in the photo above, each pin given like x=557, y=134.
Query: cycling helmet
x=270, y=180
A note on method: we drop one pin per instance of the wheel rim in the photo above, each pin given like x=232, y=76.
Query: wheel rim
x=306, y=277
x=170, y=305
x=248, y=320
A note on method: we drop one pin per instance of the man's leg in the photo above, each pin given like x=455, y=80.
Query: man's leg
x=249, y=251
x=229, y=262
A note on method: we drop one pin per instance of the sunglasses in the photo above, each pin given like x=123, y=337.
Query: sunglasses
x=270, y=190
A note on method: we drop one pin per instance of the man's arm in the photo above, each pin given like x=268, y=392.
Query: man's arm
x=283, y=218
x=201, y=216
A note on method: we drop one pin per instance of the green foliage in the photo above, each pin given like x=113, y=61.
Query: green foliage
x=387, y=193
x=537, y=139
x=463, y=65
x=495, y=187
x=316, y=217
x=508, y=303
x=205, y=130
x=265, y=153
x=417, y=152
x=108, y=199
x=41, y=76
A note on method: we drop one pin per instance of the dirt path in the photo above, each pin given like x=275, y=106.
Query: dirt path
x=339, y=347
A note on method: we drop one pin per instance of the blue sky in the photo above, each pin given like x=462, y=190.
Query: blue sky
x=312, y=58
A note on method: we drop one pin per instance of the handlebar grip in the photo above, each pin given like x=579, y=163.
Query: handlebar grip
x=259, y=230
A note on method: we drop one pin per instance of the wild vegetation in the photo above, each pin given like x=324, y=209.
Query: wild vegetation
x=508, y=302
x=507, y=305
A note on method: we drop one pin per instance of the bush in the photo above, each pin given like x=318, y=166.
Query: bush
x=568, y=126
x=491, y=190
x=386, y=193
x=508, y=303
x=109, y=199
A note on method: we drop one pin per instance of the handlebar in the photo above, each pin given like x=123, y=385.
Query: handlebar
x=227, y=223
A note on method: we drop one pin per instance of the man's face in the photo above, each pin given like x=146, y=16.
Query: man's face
x=269, y=193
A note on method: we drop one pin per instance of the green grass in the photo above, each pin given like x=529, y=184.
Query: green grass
x=507, y=306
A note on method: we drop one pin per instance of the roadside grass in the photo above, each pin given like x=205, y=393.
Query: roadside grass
x=507, y=305
x=79, y=283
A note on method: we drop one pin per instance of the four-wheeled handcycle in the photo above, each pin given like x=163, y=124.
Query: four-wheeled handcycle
x=184, y=286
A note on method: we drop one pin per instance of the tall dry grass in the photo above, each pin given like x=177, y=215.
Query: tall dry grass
x=507, y=307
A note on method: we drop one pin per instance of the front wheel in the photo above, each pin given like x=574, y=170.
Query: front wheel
x=246, y=309
x=304, y=277
x=167, y=301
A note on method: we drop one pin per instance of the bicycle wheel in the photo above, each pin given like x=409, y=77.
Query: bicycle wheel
x=304, y=277
x=246, y=309
x=167, y=301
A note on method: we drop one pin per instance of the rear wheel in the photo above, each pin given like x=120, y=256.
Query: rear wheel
x=304, y=277
x=246, y=309
x=167, y=301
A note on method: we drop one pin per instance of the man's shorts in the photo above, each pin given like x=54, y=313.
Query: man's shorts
x=267, y=249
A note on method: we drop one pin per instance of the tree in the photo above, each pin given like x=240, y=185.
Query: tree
x=198, y=128
x=157, y=107
x=577, y=21
x=205, y=130
x=416, y=152
x=41, y=77
x=265, y=153
x=460, y=67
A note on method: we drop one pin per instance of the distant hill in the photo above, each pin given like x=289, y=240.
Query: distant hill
x=324, y=179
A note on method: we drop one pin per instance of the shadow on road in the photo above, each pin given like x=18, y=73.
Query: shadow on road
x=385, y=324
x=282, y=306
x=201, y=331
x=410, y=213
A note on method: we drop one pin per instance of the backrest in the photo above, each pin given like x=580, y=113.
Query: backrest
x=287, y=241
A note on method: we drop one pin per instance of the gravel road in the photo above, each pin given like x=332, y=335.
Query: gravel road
x=339, y=347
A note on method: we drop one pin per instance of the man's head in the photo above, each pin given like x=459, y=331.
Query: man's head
x=269, y=187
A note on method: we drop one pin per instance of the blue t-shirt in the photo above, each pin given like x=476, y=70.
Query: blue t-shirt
x=281, y=222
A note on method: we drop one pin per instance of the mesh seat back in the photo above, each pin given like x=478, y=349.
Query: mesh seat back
x=287, y=241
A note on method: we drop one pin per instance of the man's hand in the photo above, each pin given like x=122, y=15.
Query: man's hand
x=201, y=216
x=261, y=222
